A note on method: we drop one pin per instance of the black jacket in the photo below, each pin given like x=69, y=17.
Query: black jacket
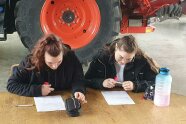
x=102, y=67
x=26, y=82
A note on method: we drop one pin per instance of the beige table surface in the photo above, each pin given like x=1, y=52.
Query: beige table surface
x=96, y=111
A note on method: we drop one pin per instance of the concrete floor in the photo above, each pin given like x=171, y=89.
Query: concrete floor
x=11, y=52
x=167, y=45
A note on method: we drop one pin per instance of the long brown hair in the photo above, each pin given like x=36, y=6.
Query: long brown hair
x=50, y=44
x=129, y=45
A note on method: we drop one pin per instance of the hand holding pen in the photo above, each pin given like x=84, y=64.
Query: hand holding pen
x=46, y=89
x=117, y=82
x=109, y=83
x=128, y=85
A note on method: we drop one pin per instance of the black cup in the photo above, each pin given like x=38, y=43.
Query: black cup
x=73, y=107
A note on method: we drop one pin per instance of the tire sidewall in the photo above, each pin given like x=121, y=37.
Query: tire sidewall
x=29, y=16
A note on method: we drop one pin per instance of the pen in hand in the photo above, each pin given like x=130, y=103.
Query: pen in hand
x=46, y=83
x=119, y=84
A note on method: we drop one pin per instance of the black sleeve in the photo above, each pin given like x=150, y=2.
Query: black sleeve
x=20, y=81
x=147, y=77
x=78, y=82
x=95, y=74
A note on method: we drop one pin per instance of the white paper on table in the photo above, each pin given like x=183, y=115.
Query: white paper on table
x=49, y=103
x=117, y=97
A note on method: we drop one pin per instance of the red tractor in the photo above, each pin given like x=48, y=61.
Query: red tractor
x=85, y=25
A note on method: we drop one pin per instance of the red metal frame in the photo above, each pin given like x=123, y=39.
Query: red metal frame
x=149, y=7
x=184, y=7
x=134, y=29
x=142, y=9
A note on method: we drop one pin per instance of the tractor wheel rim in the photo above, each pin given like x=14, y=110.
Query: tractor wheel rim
x=76, y=22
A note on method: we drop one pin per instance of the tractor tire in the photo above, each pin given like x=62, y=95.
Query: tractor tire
x=173, y=11
x=29, y=25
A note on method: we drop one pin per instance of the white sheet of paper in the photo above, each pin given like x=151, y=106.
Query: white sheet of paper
x=49, y=103
x=117, y=97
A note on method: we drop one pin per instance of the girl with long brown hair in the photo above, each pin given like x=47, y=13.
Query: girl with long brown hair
x=122, y=63
x=51, y=66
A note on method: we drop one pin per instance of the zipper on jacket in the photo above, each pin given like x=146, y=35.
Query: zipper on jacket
x=103, y=65
x=49, y=78
x=55, y=79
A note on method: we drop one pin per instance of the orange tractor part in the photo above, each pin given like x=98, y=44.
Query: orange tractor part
x=76, y=21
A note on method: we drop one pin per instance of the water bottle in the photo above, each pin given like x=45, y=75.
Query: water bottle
x=163, y=88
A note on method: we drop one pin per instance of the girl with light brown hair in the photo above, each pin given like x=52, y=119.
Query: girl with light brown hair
x=122, y=63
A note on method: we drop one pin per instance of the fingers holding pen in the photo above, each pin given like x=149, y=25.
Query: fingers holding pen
x=109, y=83
x=128, y=85
x=46, y=89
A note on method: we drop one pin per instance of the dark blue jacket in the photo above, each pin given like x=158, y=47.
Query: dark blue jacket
x=69, y=75
x=102, y=67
